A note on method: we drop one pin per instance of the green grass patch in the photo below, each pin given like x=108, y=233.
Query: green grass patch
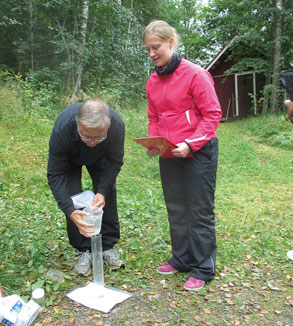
x=253, y=223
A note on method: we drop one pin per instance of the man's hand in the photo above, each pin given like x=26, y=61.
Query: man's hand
x=181, y=151
x=289, y=115
x=77, y=218
x=99, y=200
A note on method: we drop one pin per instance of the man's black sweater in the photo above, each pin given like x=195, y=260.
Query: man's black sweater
x=65, y=146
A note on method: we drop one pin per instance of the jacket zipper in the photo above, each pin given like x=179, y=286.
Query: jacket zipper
x=165, y=86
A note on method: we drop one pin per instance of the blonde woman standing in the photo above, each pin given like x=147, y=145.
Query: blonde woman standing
x=183, y=107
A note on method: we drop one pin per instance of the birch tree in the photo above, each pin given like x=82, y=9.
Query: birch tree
x=31, y=15
x=82, y=42
x=277, y=55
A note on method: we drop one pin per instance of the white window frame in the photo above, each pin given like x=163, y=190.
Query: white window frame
x=253, y=73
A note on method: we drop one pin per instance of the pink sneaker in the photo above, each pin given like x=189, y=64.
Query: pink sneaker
x=193, y=284
x=166, y=269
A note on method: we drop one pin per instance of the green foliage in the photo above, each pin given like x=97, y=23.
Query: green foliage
x=37, y=97
x=272, y=130
x=249, y=51
x=114, y=57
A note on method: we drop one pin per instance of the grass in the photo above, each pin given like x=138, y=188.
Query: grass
x=253, y=215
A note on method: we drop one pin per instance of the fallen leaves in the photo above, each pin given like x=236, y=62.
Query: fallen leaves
x=263, y=312
x=229, y=302
x=289, y=301
x=163, y=283
x=72, y=320
x=159, y=320
x=206, y=310
x=202, y=321
x=218, y=300
x=272, y=286
x=57, y=310
x=197, y=318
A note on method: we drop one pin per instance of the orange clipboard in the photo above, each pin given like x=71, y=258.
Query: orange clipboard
x=161, y=143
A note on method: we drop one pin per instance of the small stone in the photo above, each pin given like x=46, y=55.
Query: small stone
x=55, y=275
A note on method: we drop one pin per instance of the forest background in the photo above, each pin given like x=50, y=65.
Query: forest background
x=92, y=47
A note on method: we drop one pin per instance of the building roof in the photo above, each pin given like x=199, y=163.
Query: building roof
x=221, y=54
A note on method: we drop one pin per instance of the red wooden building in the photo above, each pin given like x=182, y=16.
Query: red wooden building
x=238, y=92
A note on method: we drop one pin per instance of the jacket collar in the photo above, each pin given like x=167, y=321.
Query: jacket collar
x=171, y=67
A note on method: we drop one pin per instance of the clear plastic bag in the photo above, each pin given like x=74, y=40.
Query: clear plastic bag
x=83, y=199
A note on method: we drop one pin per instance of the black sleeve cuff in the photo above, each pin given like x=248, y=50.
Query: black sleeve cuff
x=191, y=151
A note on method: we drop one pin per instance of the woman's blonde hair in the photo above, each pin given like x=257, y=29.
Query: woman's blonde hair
x=161, y=29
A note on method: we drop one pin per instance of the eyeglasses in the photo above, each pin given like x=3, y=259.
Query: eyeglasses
x=88, y=139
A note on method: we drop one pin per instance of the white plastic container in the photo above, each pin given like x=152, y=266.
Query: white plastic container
x=94, y=217
x=38, y=295
x=290, y=254
x=10, y=307
x=28, y=314
x=15, y=312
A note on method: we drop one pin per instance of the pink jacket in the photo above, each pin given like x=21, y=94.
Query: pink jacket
x=183, y=106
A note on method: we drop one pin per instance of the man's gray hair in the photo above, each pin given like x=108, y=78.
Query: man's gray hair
x=94, y=114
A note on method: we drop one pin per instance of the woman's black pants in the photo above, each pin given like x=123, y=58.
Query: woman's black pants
x=189, y=185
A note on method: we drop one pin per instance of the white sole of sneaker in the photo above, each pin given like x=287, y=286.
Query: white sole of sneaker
x=167, y=273
x=193, y=289
x=82, y=274
x=114, y=268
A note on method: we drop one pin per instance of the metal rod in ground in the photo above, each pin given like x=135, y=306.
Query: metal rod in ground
x=97, y=259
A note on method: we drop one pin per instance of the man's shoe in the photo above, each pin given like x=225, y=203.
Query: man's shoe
x=193, y=284
x=83, y=266
x=166, y=269
x=112, y=260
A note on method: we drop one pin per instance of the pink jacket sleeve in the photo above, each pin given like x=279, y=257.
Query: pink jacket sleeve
x=207, y=103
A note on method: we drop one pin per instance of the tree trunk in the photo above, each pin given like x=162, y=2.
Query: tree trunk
x=128, y=43
x=31, y=34
x=277, y=57
x=80, y=60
